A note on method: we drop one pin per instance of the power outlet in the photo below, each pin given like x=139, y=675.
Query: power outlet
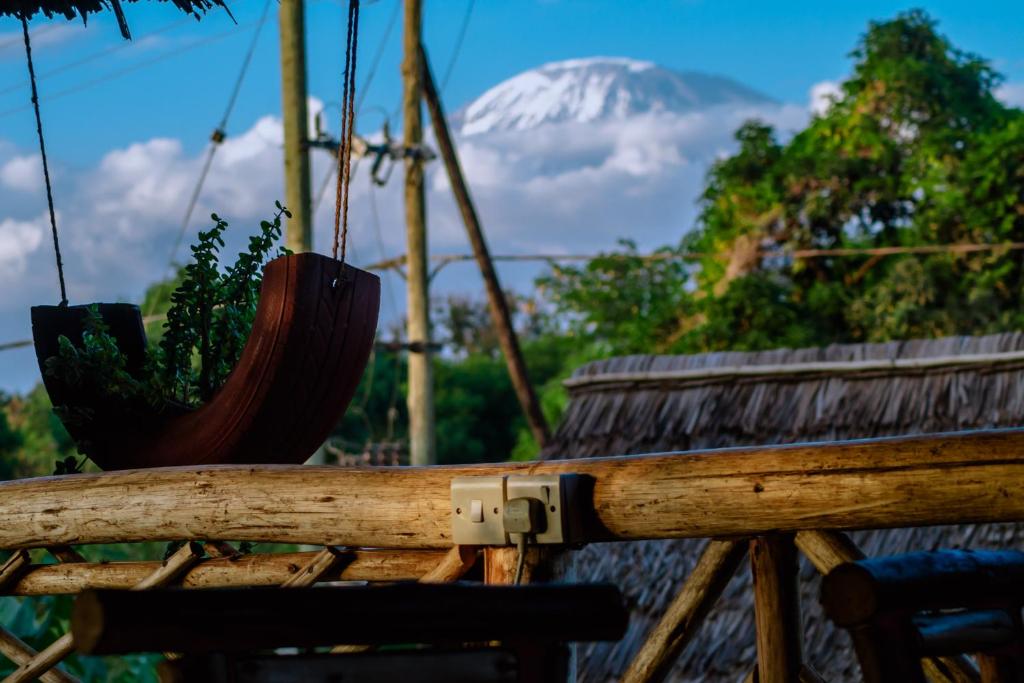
x=477, y=504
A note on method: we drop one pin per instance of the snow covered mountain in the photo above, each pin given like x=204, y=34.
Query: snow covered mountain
x=596, y=89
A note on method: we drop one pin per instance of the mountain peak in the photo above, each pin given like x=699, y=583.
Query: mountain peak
x=594, y=89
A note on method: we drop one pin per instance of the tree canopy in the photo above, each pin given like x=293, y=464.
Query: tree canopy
x=915, y=150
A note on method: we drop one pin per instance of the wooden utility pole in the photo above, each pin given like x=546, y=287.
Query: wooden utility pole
x=421, y=382
x=500, y=315
x=299, y=234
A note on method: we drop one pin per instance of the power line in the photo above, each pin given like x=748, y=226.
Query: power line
x=378, y=55
x=15, y=38
x=458, y=45
x=91, y=57
x=219, y=133
x=445, y=259
x=131, y=69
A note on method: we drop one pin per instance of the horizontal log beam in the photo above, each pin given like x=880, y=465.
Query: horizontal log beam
x=225, y=572
x=240, y=620
x=895, y=482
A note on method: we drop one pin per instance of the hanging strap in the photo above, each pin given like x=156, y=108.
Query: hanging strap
x=46, y=166
x=347, y=126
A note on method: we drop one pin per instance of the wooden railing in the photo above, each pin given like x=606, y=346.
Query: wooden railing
x=770, y=500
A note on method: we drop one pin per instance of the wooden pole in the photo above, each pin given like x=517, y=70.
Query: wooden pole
x=12, y=647
x=317, y=567
x=496, y=300
x=43, y=662
x=421, y=382
x=863, y=484
x=685, y=615
x=828, y=549
x=455, y=563
x=115, y=622
x=299, y=234
x=234, y=571
x=20, y=653
x=776, y=608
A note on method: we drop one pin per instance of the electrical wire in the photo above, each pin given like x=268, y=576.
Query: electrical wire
x=113, y=75
x=15, y=38
x=378, y=55
x=218, y=134
x=121, y=45
x=458, y=45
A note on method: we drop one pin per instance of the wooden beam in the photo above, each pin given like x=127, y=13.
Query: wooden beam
x=12, y=647
x=292, y=36
x=174, y=566
x=237, y=571
x=501, y=318
x=420, y=393
x=776, y=608
x=318, y=566
x=453, y=566
x=914, y=481
x=686, y=613
x=14, y=567
x=19, y=652
x=828, y=549
x=43, y=662
x=856, y=593
x=118, y=622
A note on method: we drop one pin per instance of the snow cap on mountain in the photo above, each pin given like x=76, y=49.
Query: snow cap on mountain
x=596, y=89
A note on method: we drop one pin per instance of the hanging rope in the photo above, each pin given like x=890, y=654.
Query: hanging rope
x=347, y=125
x=46, y=166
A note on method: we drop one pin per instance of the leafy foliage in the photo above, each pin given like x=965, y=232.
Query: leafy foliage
x=211, y=313
x=915, y=151
x=207, y=322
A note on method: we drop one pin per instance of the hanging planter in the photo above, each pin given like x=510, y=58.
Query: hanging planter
x=310, y=342
x=275, y=400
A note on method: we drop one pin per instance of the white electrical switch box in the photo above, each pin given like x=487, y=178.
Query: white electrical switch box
x=478, y=504
x=476, y=511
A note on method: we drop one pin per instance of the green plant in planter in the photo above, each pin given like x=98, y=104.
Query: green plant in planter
x=210, y=318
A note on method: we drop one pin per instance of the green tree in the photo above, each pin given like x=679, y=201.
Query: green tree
x=914, y=151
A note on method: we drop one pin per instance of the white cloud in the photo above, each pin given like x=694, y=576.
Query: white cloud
x=559, y=188
x=1011, y=94
x=822, y=95
x=45, y=35
x=18, y=240
x=23, y=173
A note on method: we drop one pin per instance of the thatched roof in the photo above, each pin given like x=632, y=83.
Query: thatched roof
x=83, y=8
x=641, y=404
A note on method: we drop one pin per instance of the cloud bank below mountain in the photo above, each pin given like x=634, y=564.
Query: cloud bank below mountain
x=559, y=186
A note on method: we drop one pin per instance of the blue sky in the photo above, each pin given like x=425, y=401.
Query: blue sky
x=780, y=48
x=127, y=124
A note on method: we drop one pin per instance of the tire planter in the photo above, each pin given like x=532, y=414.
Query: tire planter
x=310, y=342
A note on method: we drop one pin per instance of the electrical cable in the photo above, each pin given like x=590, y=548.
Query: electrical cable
x=218, y=134
x=378, y=55
x=458, y=46
x=113, y=75
x=15, y=38
x=121, y=45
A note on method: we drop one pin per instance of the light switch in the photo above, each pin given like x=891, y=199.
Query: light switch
x=476, y=511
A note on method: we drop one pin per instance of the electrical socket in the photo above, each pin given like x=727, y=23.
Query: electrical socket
x=557, y=492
